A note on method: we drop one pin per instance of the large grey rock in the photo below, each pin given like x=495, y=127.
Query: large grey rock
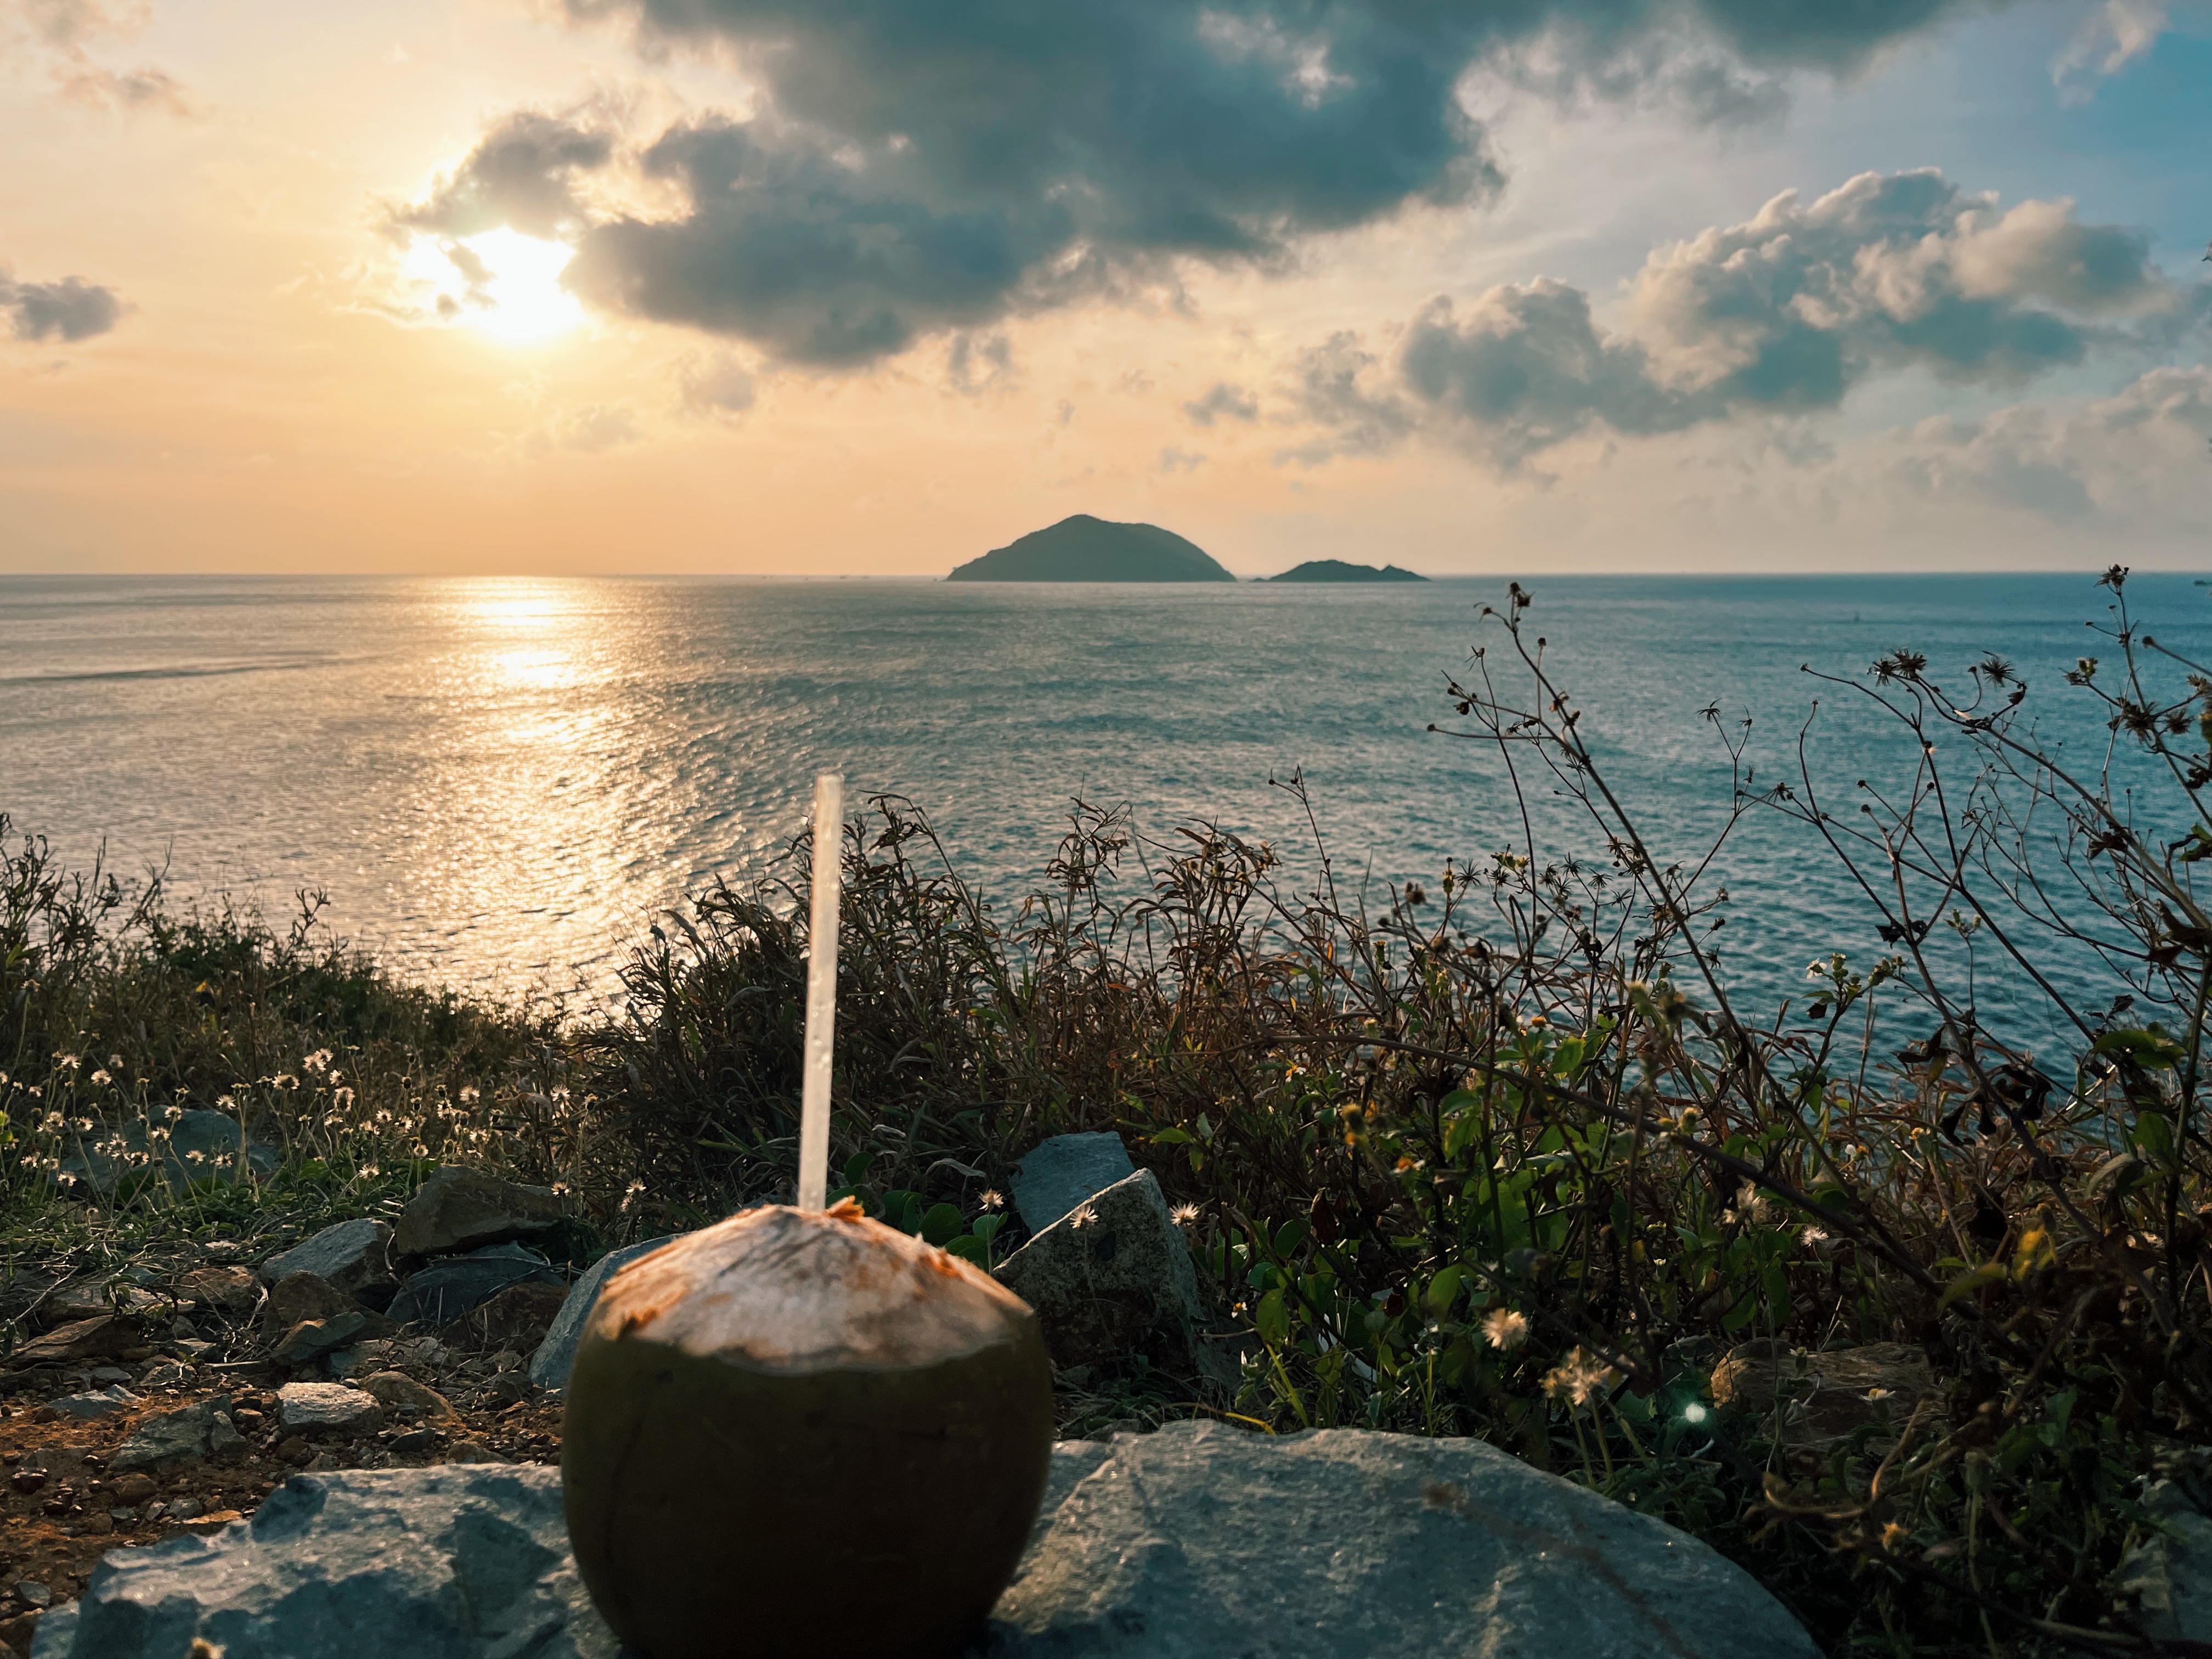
x=1112, y=1279
x=355, y=1256
x=458, y=1562
x=1065, y=1170
x=2170, y=1573
x=217, y=1138
x=100, y=1402
x=549, y=1365
x=1198, y=1542
x=458, y=1209
x=444, y=1291
x=175, y=1437
x=1203, y=1541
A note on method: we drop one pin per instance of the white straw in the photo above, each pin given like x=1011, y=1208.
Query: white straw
x=821, y=994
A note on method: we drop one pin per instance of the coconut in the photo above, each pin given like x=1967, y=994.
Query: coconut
x=802, y=1432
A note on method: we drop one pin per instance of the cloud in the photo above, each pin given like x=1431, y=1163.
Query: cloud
x=136, y=89
x=913, y=169
x=2110, y=38
x=2135, y=458
x=717, y=385
x=976, y=367
x=522, y=175
x=1223, y=402
x=61, y=31
x=1174, y=460
x=592, y=430
x=70, y=310
x=1782, y=315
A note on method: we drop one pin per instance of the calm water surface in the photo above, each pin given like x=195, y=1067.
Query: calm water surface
x=499, y=781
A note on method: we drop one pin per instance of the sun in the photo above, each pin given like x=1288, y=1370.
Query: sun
x=504, y=284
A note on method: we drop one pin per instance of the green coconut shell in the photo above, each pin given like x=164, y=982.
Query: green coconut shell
x=800, y=1432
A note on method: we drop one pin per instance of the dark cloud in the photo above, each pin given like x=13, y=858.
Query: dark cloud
x=1223, y=402
x=522, y=175
x=1783, y=314
x=71, y=309
x=930, y=166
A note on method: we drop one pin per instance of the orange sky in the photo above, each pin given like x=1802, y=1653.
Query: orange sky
x=277, y=394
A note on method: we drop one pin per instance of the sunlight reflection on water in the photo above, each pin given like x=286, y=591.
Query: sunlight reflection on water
x=499, y=781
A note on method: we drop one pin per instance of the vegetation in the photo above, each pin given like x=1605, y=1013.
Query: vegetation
x=1505, y=1158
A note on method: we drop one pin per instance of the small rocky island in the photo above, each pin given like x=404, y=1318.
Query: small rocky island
x=1087, y=550
x=1336, y=570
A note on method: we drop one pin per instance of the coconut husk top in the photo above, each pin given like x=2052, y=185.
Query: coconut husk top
x=787, y=1290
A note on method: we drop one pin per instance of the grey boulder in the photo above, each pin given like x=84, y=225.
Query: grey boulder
x=458, y=1209
x=355, y=1256
x=327, y=1408
x=2169, y=1572
x=202, y=1146
x=1112, y=1279
x=1063, y=1171
x=459, y=1562
x=174, y=1437
x=1198, y=1542
x=100, y=1402
x=549, y=1365
x=445, y=1291
x=1203, y=1541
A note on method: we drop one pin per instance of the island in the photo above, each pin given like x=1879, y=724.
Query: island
x=1087, y=550
x=1336, y=570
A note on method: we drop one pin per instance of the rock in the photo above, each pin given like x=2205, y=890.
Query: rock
x=2169, y=1572
x=131, y=1488
x=17, y=1634
x=311, y=1339
x=518, y=1317
x=88, y=1338
x=166, y=1374
x=1113, y=1279
x=326, y=1408
x=395, y=1392
x=549, y=1367
x=102, y=1402
x=34, y=1595
x=229, y=1290
x=355, y=1256
x=446, y=1290
x=415, y=1442
x=454, y=1562
x=298, y=1297
x=463, y=1209
x=1197, y=1542
x=1203, y=1540
x=215, y=1137
x=1065, y=1170
x=223, y=1438
x=471, y=1451
x=88, y=1298
x=170, y=1437
x=1823, y=1397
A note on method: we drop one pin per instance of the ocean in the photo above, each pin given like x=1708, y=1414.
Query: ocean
x=500, y=782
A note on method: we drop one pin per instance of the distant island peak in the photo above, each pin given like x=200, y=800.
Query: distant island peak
x=1083, y=548
x=1336, y=570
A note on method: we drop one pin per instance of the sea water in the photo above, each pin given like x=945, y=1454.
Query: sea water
x=500, y=782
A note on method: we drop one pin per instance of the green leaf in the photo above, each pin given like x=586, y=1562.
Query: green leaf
x=1444, y=1290
x=968, y=1248
x=1172, y=1137
x=2153, y=1135
x=1288, y=1236
x=943, y=1223
x=986, y=1226
x=856, y=1167
x=1974, y=1279
x=2149, y=1047
x=1272, y=1319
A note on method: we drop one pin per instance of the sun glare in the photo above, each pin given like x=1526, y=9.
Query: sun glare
x=502, y=283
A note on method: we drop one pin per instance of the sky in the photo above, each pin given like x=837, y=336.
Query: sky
x=870, y=287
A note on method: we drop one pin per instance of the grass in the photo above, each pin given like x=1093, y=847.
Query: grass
x=1502, y=1159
